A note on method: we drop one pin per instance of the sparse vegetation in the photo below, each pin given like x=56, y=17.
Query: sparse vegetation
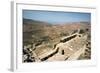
x=45, y=37
x=64, y=34
x=74, y=31
x=81, y=31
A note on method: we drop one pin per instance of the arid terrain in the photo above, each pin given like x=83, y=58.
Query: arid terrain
x=43, y=41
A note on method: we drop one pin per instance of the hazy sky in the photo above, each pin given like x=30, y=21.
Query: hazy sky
x=56, y=17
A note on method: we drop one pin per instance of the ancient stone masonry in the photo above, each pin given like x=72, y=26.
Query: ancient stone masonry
x=69, y=48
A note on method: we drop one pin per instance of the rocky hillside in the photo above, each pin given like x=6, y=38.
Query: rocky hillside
x=43, y=37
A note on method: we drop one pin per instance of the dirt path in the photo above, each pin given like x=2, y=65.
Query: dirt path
x=77, y=54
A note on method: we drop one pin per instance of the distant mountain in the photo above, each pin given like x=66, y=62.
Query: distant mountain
x=34, y=30
x=88, y=23
x=30, y=24
x=30, y=21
